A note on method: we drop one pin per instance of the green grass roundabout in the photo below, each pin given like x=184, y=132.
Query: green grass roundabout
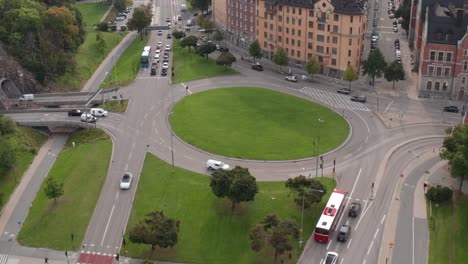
x=256, y=123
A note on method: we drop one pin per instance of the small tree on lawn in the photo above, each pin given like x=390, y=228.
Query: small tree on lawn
x=205, y=49
x=141, y=18
x=279, y=234
x=53, y=189
x=375, y=65
x=312, y=66
x=254, y=50
x=350, y=75
x=189, y=41
x=156, y=230
x=394, y=72
x=306, y=190
x=226, y=59
x=280, y=58
x=455, y=150
x=236, y=184
x=178, y=35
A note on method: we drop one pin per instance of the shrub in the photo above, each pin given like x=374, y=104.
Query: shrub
x=103, y=26
x=439, y=194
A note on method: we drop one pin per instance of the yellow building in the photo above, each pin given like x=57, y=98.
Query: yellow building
x=332, y=31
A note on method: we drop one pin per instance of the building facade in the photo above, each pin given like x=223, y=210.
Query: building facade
x=219, y=15
x=241, y=22
x=333, y=32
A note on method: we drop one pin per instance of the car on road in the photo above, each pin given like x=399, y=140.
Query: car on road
x=392, y=15
x=169, y=35
x=216, y=165
x=291, y=78
x=120, y=18
x=88, y=118
x=163, y=72
x=169, y=24
x=451, y=108
x=168, y=47
x=165, y=65
x=395, y=29
x=343, y=233
x=126, y=181
x=98, y=112
x=222, y=49
x=331, y=258
x=257, y=67
x=358, y=98
x=159, y=44
x=179, y=18
x=75, y=112
x=160, y=33
x=354, y=209
x=344, y=91
x=154, y=68
x=168, y=19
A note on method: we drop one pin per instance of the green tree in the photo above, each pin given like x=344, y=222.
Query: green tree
x=404, y=12
x=394, y=72
x=236, y=184
x=226, y=59
x=218, y=36
x=307, y=191
x=350, y=75
x=156, y=230
x=312, y=66
x=254, y=50
x=121, y=5
x=439, y=194
x=53, y=189
x=62, y=29
x=189, y=41
x=7, y=125
x=455, y=150
x=100, y=42
x=200, y=4
x=102, y=26
x=375, y=65
x=7, y=153
x=140, y=20
x=280, y=58
x=178, y=35
x=205, y=49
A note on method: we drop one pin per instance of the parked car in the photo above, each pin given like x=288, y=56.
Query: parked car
x=154, y=68
x=358, y=98
x=291, y=78
x=98, y=112
x=75, y=112
x=354, y=209
x=165, y=65
x=223, y=49
x=169, y=35
x=343, y=233
x=344, y=91
x=331, y=258
x=168, y=47
x=126, y=181
x=163, y=71
x=89, y=118
x=215, y=165
x=257, y=67
x=451, y=108
x=179, y=18
x=120, y=18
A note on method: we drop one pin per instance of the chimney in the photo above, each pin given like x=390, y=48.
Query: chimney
x=459, y=17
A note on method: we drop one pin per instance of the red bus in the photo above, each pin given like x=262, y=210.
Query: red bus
x=330, y=216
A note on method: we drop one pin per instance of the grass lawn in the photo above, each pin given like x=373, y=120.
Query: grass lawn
x=28, y=141
x=209, y=231
x=461, y=239
x=49, y=224
x=128, y=65
x=189, y=66
x=115, y=106
x=92, y=13
x=256, y=123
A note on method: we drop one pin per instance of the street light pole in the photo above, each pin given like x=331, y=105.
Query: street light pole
x=172, y=135
x=301, y=241
x=318, y=148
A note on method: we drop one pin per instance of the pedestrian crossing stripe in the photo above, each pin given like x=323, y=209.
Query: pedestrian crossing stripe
x=333, y=99
x=3, y=258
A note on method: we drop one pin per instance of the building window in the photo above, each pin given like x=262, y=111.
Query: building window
x=440, y=56
x=351, y=19
x=280, y=8
x=429, y=85
x=265, y=35
x=287, y=20
x=436, y=86
x=265, y=24
x=292, y=52
x=280, y=18
x=445, y=86
x=264, y=44
x=292, y=42
x=465, y=53
x=293, y=21
x=350, y=30
x=320, y=49
x=432, y=57
x=280, y=39
x=350, y=42
x=463, y=80
x=447, y=71
x=280, y=29
x=287, y=9
x=465, y=65
x=430, y=70
x=299, y=21
x=349, y=53
x=335, y=29
x=334, y=40
x=271, y=27
x=311, y=13
x=311, y=24
x=309, y=45
x=448, y=57
x=309, y=56
x=294, y=10
x=298, y=53
x=310, y=35
x=334, y=51
x=333, y=61
x=321, y=27
x=287, y=30
x=335, y=17
x=292, y=31
x=287, y=40
x=298, y=42
x=320, y=38
x=298, y=32
x=300, y=11
x=439, y=71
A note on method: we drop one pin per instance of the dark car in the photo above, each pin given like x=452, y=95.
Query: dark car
x=344, y=232
x=223, y=49
x=355, y=209
x=164, y=72
x=169, y=36
x=358, y=98
x=451, y=108
x=153, y=70
x=344, y=91
x=397, y=41
x=257, y=67
x=195, y=14
x=75, y=112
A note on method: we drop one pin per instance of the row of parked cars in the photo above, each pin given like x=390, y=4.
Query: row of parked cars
x=88, y=117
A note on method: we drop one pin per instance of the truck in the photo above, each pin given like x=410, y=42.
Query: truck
x=26, y=97
x=145, y=59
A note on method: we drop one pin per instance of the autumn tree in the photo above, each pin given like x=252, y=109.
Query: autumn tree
x=312, y=66
x=280, y=58
x=156, y=230
x=53, y=189
x=394, y=72
x=350, y=75
x=455, y=150
x=254, y=50
x=236, y=184
x=226, y=59
x=140, y=20
x=205, y=49
x=306, y=191
x=189, y=41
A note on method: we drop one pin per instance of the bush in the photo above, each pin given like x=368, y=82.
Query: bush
x=439, y=194
x=103, y=26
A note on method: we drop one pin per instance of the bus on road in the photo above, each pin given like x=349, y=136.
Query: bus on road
x=330, y=216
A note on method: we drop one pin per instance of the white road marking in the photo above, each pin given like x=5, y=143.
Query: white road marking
x=107, y=226
x=347, y=156
x=370, y=247
x=376, y=232
x=362, y=215
x=383, y=219
x=117, y=196
x=412, y=231
x=367, y=138
x=349, y=243
x=388, y=106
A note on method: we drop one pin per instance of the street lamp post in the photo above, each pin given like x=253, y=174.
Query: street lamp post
x=302, y=214
x=172, y=135
x=318, y=147
x=21, y=80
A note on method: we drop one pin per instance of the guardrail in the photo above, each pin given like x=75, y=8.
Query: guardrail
x=53, y=123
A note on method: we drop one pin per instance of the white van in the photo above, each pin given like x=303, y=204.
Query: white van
x=189, y=22
x=215, y=165
x=85, y=117
x=98, y=112
x=26, y=97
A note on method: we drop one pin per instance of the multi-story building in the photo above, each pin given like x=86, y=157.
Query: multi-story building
x=331, y=31
x=219, y=8
x=443, y=64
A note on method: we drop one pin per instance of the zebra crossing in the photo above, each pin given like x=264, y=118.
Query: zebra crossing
x=3, y=258
x=333, y=99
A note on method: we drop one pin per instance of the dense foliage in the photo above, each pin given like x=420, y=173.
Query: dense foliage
x=306, y=191
x=156, y=230
x=439, y=194
x=43, y=36
x=7, y=149
x=455, y=150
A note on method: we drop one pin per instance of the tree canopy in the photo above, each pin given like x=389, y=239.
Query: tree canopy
x=218, y=35
x=280, y=58
x=404, y=12
x=306, y=191
x=226, y=59
x=312, y=66
x=455, y=150
x=350, y=75
x=205, y=49
x=394, y=72
x=156, y=229
x=236, y=184
x=375, y=65
x=254, y=50
x=140, y=20
x=189, y=41
x=53, y=189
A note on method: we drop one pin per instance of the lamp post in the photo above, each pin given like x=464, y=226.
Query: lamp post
x=302, y=214
x=21, y=80
x=318, y=147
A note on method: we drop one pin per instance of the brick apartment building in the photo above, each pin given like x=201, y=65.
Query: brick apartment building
x=438, y=35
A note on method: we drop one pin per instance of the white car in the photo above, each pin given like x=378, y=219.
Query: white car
x=158, y=51
x=168, y=48
x=88, y=118
x=159, y=44
x=156, y=55
x=126, y=181
x=179, y=18
x=120, y=18
x=216, y=165
x=169, y=24
x=165, y=65
x=331, y=258
x=291, y=78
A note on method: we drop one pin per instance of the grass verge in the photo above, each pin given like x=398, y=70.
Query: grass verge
x=209, y=231
x=256, y=123
x=128, y=65
x=28, y=141
x=92, y=13
x=49, y=224
x=115, y=106
x=190, y=66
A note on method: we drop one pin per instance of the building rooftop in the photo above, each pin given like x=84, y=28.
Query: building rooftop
x=447, y=21
x=341, y=6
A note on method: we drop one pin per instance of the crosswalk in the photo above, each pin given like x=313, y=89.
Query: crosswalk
x=3, y=258
x=333, y=99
